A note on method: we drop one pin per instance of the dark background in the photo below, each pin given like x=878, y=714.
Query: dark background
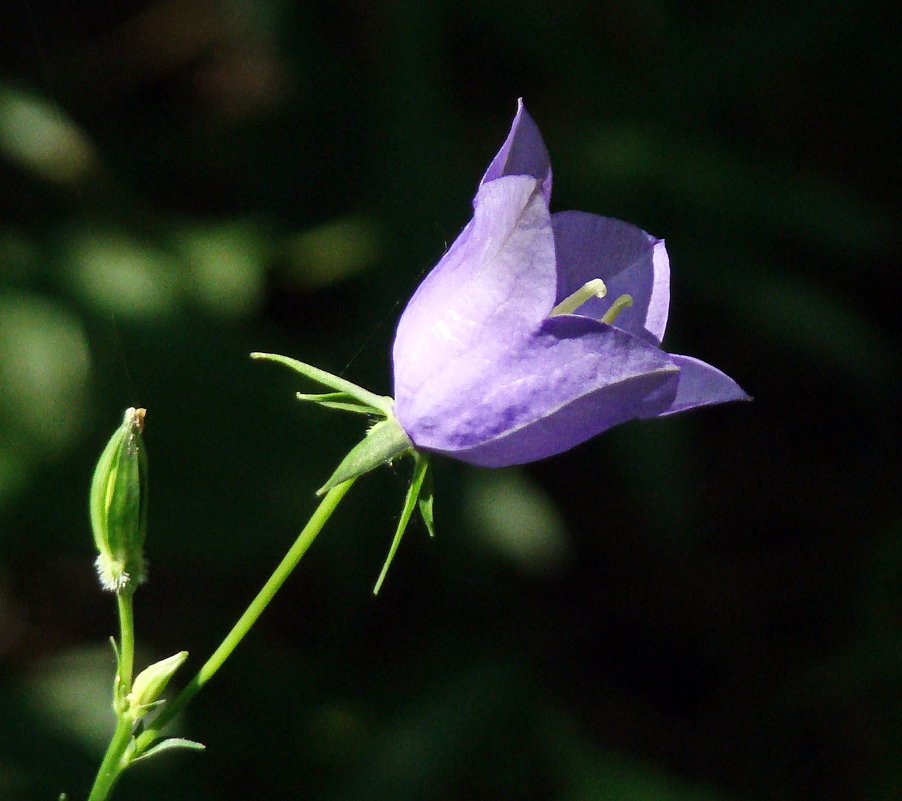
x=706, y=607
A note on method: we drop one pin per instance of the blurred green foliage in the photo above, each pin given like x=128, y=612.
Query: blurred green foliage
x=694, y=609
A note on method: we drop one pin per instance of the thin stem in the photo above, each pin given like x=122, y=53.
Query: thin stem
x=251, y=614
x=112, y=765
x=126, y=639
x=113, y=762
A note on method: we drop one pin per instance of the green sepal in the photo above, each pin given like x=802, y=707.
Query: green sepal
x=424, y=500
x=384, y=442
x=168, y=745
x=381, y=403
x=420, y=468
x=340, y=400
x=150, y=684
x=144, y=709
x=117, y=678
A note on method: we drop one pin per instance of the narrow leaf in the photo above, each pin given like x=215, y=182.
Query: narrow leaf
x=413, y=492
x=380, y=402
x=168, y=745
x=426, y=494
x=339, y=400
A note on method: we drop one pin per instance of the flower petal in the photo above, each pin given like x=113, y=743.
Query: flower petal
x=701, y=384
x=523, y=153
x=626, y=258
x=491, y=290
x=568, y=382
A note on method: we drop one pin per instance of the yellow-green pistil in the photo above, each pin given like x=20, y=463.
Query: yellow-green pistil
x=596, y=288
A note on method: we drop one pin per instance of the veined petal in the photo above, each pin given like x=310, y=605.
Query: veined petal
x=701, y=384
x=485, y=375
x=523, y=153
x=572, y=379
x=492, y=289
x=625, y=257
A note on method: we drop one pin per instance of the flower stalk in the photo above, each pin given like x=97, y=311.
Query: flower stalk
x=114, y=761
x=134, y=698
x=170, y=710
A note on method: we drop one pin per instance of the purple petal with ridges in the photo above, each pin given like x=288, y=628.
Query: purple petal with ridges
x=493, y=288
x=701, y=384
x=523, y=153
x=572, y=379
x=483, y=375
x=625, y=257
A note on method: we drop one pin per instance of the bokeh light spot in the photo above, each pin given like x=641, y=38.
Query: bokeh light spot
x=515, y=519
x=333, y=252
x=115, y=273
x=35, y=134
x=44, y=361
x=227, y=267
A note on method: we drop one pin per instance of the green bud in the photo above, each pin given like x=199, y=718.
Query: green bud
x=119, y=505
x=151, y=682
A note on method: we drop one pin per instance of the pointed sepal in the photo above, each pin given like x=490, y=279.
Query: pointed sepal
x=169, y=744
x=424, y=500
x=384, y=442
x=420, y=468
x=380, y=404
x=339, y=400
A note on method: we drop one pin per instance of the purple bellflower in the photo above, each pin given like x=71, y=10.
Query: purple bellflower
x=533, y=333
x=537, y=331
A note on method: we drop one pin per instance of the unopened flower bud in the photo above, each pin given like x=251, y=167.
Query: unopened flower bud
x=119, y=505
x=151, y=682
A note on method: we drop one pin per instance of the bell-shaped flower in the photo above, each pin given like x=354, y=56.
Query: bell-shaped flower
x=537, y=331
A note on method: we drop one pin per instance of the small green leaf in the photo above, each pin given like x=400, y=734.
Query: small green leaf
x=421, y=464
x=143, y=710
x=367, y=398
x=426, y=494
x=340, y=400
x=383, y=442
x=168, y=745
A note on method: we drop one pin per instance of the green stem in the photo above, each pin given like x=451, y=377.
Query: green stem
x=246, y=621
x=113, y=761
x=126, y=640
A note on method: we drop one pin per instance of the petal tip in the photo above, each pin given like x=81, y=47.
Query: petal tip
x=703, y=385
x=523, y=152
